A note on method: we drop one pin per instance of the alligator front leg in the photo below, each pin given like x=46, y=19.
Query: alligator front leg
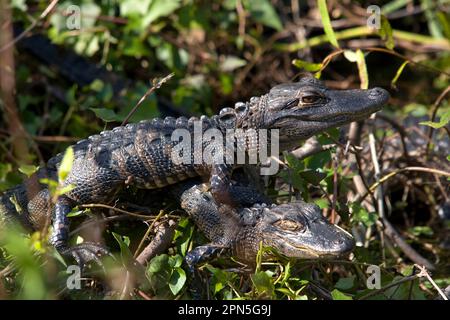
x=82, y=253
x=225, y=192
x=199, y=255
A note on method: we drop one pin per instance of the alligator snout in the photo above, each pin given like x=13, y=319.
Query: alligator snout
x=345, y=245
x=379, y=94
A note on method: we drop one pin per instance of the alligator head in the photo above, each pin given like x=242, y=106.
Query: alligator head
x=295, y=230
x=300, y=110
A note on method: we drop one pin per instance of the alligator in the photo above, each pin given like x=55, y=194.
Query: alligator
x=140, y=154
x=295, y=230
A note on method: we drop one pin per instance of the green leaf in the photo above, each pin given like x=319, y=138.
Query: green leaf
x=177, y=280
x=131, y=7
x=263, y=283
x=312, y=176
x=28, y=170
x=329, y=32
x=106, y=115
x=308, y=66
x=361, y=215
x=416, y=109
x=158, y=9
x=183, y=235
x=75, y=213
x=175, y=261
x=158, y=263
x=89, y=14
x=322, y=203
x=231, y=63
x=123, y=242
x=444, y=20
x=19, y=4
x=429, y=7
x=338, y=295
x=421, y=230
x=394, y=5
x=66, y=189
x=345, y=283
x=386, y=33
x=66, y=164
x=398, y=73
x=263, y=12
x=445, y=119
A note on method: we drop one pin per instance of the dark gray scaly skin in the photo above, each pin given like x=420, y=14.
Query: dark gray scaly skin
x=139, y=154
x=296, y=230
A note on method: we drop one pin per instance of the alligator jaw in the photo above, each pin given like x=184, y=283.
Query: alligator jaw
x=300, y=110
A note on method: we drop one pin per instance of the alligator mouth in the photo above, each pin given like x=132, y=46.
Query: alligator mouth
x=303, y=251
x=341, y=117
x=309, y=253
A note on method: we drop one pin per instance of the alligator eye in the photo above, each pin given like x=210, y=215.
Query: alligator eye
x=289, y=225
x=311, y=98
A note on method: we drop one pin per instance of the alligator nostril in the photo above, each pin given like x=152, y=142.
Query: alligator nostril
x=378, y=94
x=376, y=91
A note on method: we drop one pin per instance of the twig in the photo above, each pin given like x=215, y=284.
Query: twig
x=404, y=246
x=241, y=15
x=394, y=173
x=147, y=233
x=309, y=148
x=379, y=195
x=99, y=205
x=7, y=270
x=31, y=27
x=401, y=56
x=96, y=221
x=401, y=130
x=156, y=85
x=334, y=163
x=8, y=86
x=393, y=284
x=424, y=273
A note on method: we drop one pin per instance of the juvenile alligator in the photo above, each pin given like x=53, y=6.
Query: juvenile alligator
x=140, y=154
x=295, y=230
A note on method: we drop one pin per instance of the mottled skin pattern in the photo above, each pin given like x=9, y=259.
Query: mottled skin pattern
x=140, y=154
x=295, y=230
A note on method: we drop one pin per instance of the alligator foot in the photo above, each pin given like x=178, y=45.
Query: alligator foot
x=86, y=252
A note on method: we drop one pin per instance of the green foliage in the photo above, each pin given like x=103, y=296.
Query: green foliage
x=322, y=4
x=445, y=119
x=166, y=275
x=262, y=11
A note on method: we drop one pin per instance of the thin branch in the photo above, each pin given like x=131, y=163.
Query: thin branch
x=156, y=85
x=147, y=233
x=31, y=27
x=99, y=205
x=393, y=284
x=424, y=273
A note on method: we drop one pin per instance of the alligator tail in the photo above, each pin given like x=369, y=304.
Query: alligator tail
x=13, y=208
